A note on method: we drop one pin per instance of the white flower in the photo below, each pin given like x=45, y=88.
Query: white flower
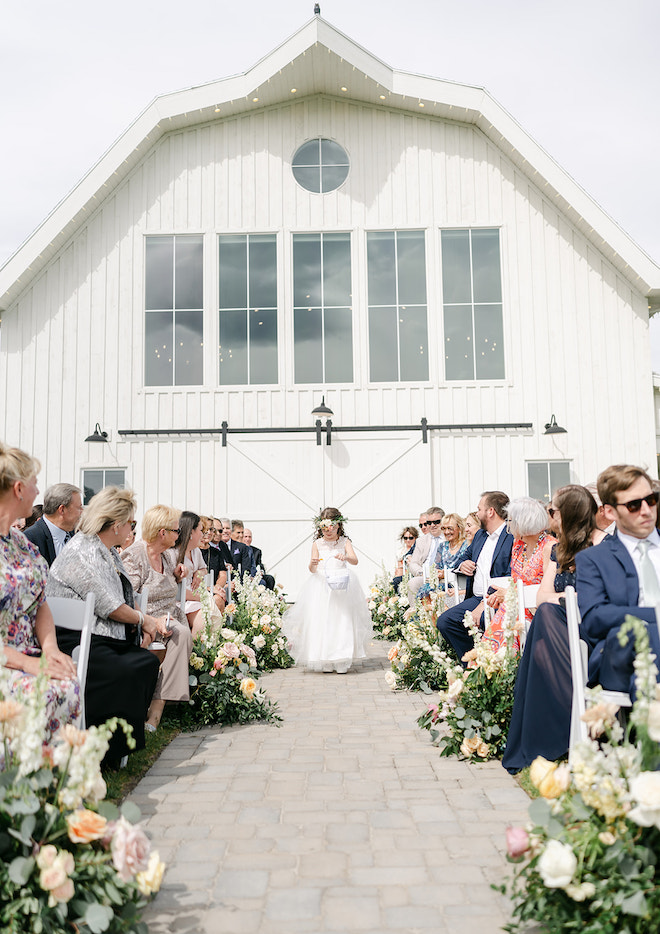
x=259, y=642
x=580, y=892
x=390, y=678
x=372, y=604
x=645, y=792
x=557, y=864
x=653, y=722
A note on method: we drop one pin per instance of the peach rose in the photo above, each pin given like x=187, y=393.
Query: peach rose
x=392, y=654
x=63, y=893
x=72, y=735
x=469, y=746
x=85, y=826
x=130, y=849
x=483, y=749
x=598, y=717
x=248, y=687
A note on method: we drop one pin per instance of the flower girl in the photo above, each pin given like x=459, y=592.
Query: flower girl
x=330, y=624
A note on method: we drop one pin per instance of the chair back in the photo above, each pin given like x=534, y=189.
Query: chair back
x=141, y=600
x=578, y=653
x=208, y=580
x=181, y=594
x=451, y=580
x=526, y=601
x=77, y=615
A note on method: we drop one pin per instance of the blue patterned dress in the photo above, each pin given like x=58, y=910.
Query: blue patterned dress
x=23, y=574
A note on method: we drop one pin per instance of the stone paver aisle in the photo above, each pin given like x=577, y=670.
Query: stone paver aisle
x=344, y=818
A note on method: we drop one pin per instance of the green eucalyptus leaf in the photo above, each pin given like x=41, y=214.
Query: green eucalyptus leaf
x=628, y=867
x=192, y=681
x=20, y=869
x=425, y=688
x=131, y=812
x=635, y=904
x=495, y=730
x=539, y=812
x=98, y=918
x=486, y=716
x=459, y=712
x=108, y=810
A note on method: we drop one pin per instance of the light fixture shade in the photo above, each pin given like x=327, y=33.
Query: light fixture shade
x=322, y=409
x=97, y=435
x=552, y=428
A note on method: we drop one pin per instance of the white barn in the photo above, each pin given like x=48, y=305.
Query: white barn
x=324, y=226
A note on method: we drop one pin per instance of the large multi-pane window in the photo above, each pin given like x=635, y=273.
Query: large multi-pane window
x=544, y=477
x=472, y=297
x=398, y=338
x=174, y=326
x=248, y=309
x=322, y=308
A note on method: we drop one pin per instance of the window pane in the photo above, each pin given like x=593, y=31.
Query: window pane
x=412, y=267
x=489, y=341
x=560, y=475
x=308, y=154
x=159, y=265
x=338, y=345
x=381, y=268
x=456, y=283
x=233, y=272
x=537, y=481
x=115, y=478
x=308, y=350
x=332, y=153
x=263, y=272
x=233, y=348
x=188, y=272
x=308, y=177
x=92, y=483
x=383, y=350
x=188, y=338
x=336, y=269
x=158, y=348
x=486, y=266
x=459, y=362
x=413, y=343
x=332, y=176
x=306, y=270
x=263, y=346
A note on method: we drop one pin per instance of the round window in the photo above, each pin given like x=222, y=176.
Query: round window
x=320, y=165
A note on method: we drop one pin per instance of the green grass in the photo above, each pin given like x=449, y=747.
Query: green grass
x=523, y=780
x=121, y=783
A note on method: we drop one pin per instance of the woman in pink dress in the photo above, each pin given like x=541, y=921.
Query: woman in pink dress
x=530, y=555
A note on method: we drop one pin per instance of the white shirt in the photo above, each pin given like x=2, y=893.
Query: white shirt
x=430, y=558
x=631, y=544
x=59, y=535
x=484, y=562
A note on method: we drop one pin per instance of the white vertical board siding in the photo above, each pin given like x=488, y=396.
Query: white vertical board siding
x=575, y=331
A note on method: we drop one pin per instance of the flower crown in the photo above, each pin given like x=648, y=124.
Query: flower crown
x=320, y=523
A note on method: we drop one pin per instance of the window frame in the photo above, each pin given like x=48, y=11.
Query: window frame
x=320, y=139
x=547, y=462
x=104, y=471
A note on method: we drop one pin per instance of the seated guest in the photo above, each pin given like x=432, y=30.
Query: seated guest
x=26, y=624
x=488, y=556
x=213, y=559
x=602, y=521
x=35, y=515
x=408, y=538
x=266, y=579
x=541, y=717
x=149, y=563
x=122, y=675
x=472, y=525
x=453, y=550
x=62, y=511
x=620, y=576
x=530, y=556
x=241, y=556
x=186, y=552
x=423, y=556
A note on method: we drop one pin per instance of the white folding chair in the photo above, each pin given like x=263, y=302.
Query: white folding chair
x=77, y=615
x=579, y=663
x=141, y=600
x=208, y=580
x=451, y=581
x=526, y=601
x=181, y=593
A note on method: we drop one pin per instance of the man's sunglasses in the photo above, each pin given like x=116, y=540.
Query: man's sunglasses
x=434, y=522
x=634, y=505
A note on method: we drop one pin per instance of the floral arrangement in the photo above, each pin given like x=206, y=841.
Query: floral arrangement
x=420, y=659
x=70, y=861
x=588, y=857
x=223, y=681
x=387, y=607
x=257, y=614
x=320, y=523
x=477, y=703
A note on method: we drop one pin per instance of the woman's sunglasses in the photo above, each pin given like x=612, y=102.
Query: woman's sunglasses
x=409, y=538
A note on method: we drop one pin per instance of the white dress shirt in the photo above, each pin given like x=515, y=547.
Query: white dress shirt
x=484, y=562
x=631, y=544
x=58, y=535
x=430, y=558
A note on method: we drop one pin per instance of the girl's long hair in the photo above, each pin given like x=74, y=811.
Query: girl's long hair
x=578, y=509
x=187, y=525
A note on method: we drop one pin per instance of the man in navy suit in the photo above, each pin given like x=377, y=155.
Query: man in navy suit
x=489, y=556
x=241, y=556
x=62, y=511
x=620, y=576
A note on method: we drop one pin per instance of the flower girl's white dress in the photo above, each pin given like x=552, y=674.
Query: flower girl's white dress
x=330, y=624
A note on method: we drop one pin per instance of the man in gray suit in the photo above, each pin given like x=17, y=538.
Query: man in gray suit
x=62, y=511
x=422, y=558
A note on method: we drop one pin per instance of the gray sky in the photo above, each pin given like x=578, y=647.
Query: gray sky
x=580, y=76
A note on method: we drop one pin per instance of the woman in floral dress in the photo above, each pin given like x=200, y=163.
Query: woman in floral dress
x=26, y=624
x=529, y=557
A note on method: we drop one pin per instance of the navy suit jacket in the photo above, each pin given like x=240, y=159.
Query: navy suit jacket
x=39, y=535
x=501, y=563
x=242, y=558
x=608, y=591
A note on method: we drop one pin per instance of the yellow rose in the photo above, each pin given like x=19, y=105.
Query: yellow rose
x=150, y=880
x=248, y=687
x=550, y=779
x=85, y=826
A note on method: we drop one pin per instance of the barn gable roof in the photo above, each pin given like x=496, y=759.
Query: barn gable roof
x=319, y=59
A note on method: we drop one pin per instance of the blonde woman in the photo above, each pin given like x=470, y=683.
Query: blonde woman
x=122, y=675
x=26, y=624
x=150, y=564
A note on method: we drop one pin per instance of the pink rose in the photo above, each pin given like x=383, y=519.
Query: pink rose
x=517, y=842
x=63, y=893
x=130, y=849
x=230, y=649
